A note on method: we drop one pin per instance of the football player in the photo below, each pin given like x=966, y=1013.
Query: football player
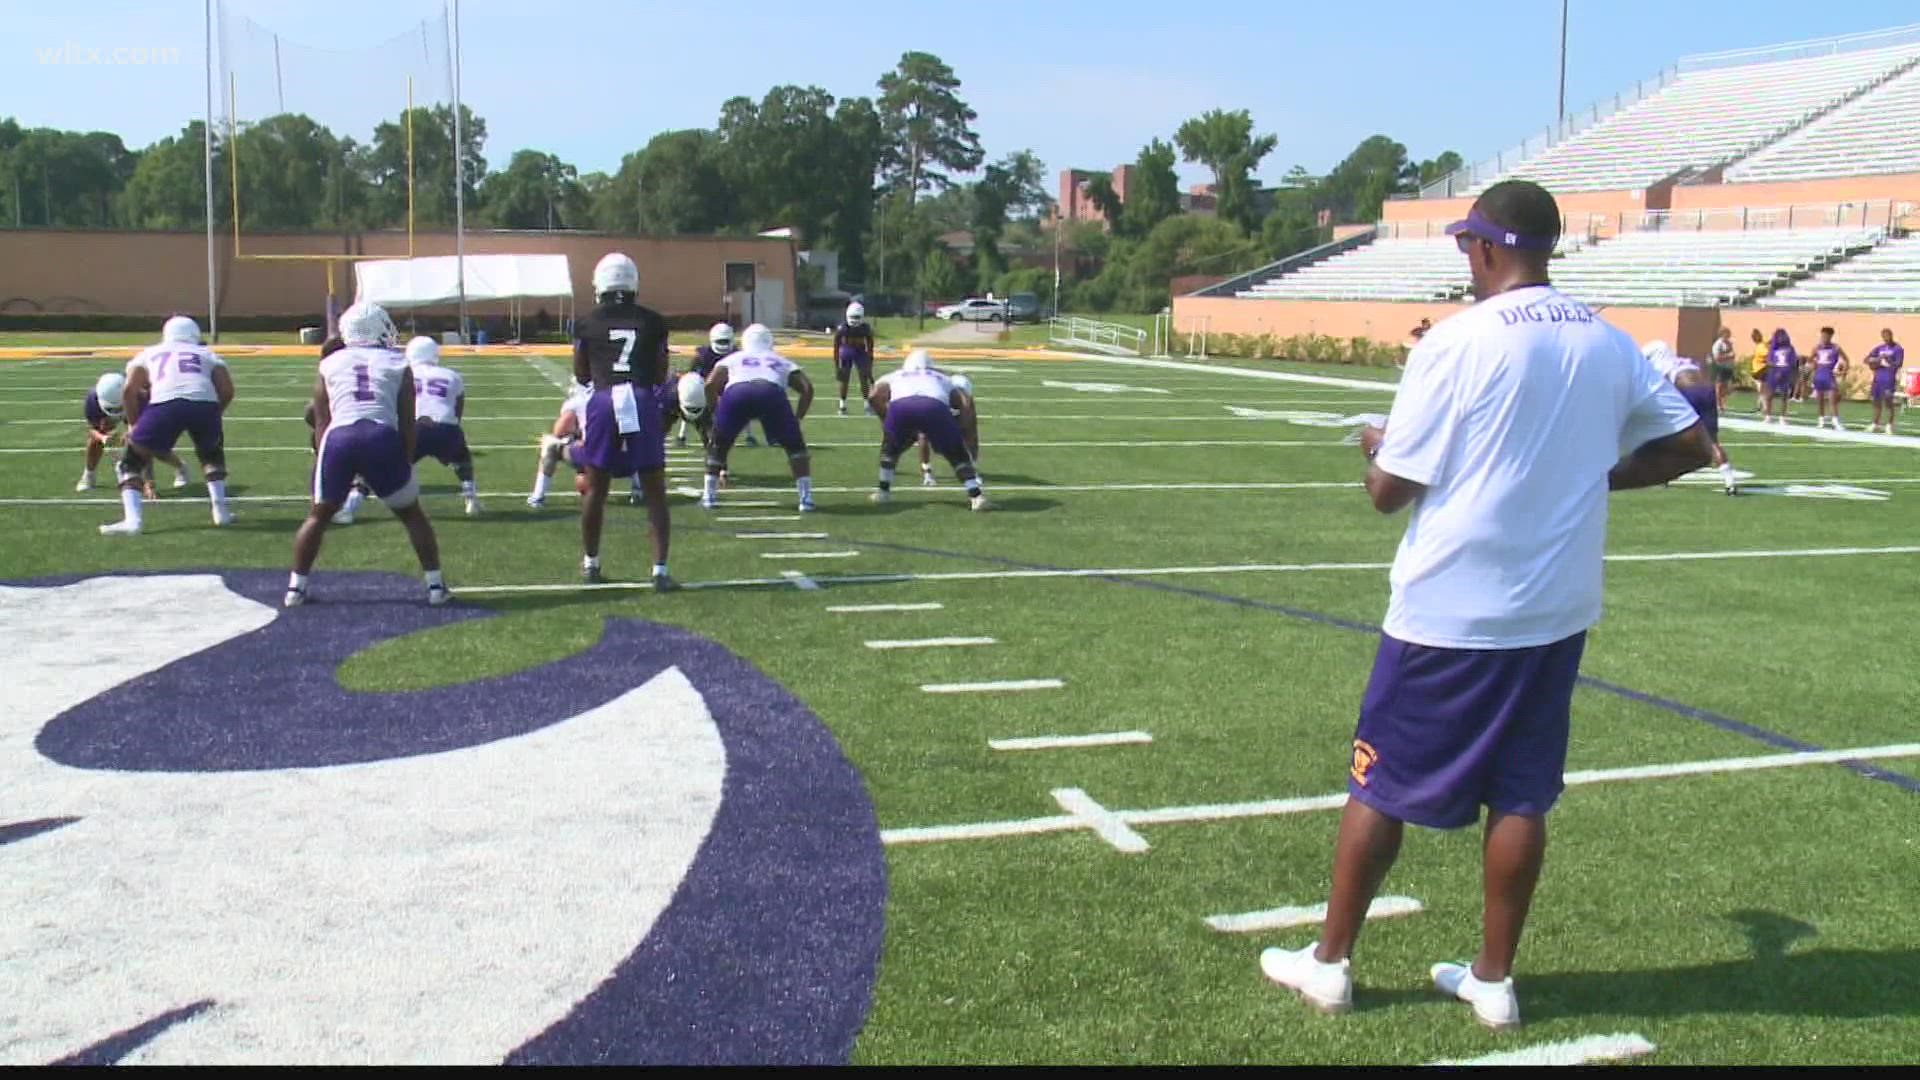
x=364, y=409
x=969, y=427
x=620, y=349
x=1697, y=387
x=359, y=491
x=752, y=385
x=562, y=442
x=440, y=401
x=853, y=349
x=176, y=387
x=920, y=400
x=103, y=414
x=719, y=344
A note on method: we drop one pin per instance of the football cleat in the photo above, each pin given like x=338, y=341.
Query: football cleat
x=843, y=408
x=473, y=507
x=343, y=517
x=806, y=506
x=927, y=480
x=85, y=484
x=636, y=497
x=535, y=502
x=881, y=496
x=120, y=528
x=179, y=480
x=295, y=597
x=590, y=575
x=978, y=503
x=222, y=517
x=708, y=502
x=665, y=583
x=438, y=595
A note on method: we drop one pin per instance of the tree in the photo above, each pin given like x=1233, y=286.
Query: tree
x=939, y=278
x=1104, y=199
x=284, y=164
x=928, y=127
x=1224, y=142
x=534, y=191
x=778, y=156
x=386, y=165
x=1292, y=226
x=1436, y=168
x=1026, y=185
x=1360, y=184
x=679, y=185
x=858, y=143
x=168, y=187
x=64, y=178
x=1153, y=192
x=991, y=196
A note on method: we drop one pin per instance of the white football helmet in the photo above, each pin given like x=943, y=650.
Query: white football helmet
x=963, y=384
x=693, y=396
x=423, y=350
x=720, y=338
x=757, y=340
x=180, y=330
x=615, y=273
x=109, y=390
x=367, y=323
x=917, y=360
x=856, y=314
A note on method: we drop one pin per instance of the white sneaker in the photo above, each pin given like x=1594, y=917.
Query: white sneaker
x=927, y=480
x=343, y=517
x=294, y=598
x=1326, y=987
x=473, y=507
x=222, y=517
x=179, y=480
x=843, y=408
x=881, y=496
x=979, y=503
x=438, y=595
x=1494, y=1005
x=120, y=528
x=535, y=502
x=806, y=506
x=85, y=484
x=708, y=502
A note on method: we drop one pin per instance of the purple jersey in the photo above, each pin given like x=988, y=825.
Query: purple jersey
x=97, y=417
x=703, y=360
x=1890, y=358
x=1825, y=357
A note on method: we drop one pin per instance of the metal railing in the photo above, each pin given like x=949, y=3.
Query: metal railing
x=1108, y=337
x=1296, y=261
x=1797, y=50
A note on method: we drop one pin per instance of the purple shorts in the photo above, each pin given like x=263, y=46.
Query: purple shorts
x=161, y=425
x=847, y=359
x=1444, y=731
x=744, y=402
x=576, y=456
x=1883, y=381
x=909, y=418
x=370, y=450
x=1782, y=380
x=445, y=443
x=1701, y=397
x=603, y=447
x=1823, y=381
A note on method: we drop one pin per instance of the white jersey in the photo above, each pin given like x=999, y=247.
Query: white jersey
x=1510, y=415
x=576, y=406
x=765, y=367
x=928, y=383
x=178, y=371
x=437, y=391
x=1674, y=366
x=363, y=383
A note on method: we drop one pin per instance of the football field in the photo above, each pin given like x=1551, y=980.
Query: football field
x=1103, y=731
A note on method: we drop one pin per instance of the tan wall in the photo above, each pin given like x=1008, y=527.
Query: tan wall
x=1575, y=206
x=151, y=273
x=1849, y=189
x=1855, y=331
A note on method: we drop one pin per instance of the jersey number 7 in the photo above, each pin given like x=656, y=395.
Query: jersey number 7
x=626, y=339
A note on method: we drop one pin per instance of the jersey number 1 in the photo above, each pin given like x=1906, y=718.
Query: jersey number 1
x=363, y=384
x=626, y=339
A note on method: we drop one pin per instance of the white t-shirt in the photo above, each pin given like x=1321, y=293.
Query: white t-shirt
x=765, y=367
x=178, y=371
x=576, y=404
x=1511, y=414
x=925, y=383
x=363, y=383
x=436, y=392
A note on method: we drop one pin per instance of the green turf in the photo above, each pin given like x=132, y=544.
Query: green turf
x=1746, y=918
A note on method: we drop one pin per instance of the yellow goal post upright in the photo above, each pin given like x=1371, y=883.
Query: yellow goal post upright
x=348, y=92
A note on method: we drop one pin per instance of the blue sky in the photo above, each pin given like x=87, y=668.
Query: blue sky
x=1082, y=84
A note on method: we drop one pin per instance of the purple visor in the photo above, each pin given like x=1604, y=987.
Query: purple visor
x=1476, y=224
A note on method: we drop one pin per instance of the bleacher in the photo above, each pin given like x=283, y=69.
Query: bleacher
x=1706, y=118
x=1661, y=269
x=1421, y=268
x=1884, y=279
x=1878, y=133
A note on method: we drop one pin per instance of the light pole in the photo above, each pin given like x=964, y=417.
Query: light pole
x=1561, y=116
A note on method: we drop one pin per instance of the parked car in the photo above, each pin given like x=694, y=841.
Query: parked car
x=1023, y=307
x=974, y=309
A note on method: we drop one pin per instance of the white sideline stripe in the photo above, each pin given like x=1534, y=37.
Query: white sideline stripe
x=1380, y=385
x=1383, y=907
x=801, y=581
x=992, y=687
x=1063, y=742
x=1828, y=434
x=1277, y=807
x=1105, y=823
x=779, y=536
x=928, y=643
x=1571, y=1052
x=854, y=609
x=808, y=554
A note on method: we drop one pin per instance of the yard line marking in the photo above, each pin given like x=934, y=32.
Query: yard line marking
x=1105, y=824
x=801, y=581
x=929, y=643
x=1062, y=742
x=1276, y=807
x=779, y=536
x=1010, y=685
x=808, y=554
x=1281, y=918
x=4, y=402
x=1571, y=1052
x=760, y=517
x=546, y=371
x=852, y=609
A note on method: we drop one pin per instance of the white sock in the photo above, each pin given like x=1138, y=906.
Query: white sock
x=130, y=501
x=87, y=475
x=805, y=484
x=217, y=493
x=590, y=562
x=659, y=569
x=354, y=499
x=434, y=581
x=636, y=481
x=712, y=486
x=467, y=488
x=296, y=581
x=540, y=482
x=1726, y=472
x=886, y=479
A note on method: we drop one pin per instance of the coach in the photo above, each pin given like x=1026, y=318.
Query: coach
x=1506, y=435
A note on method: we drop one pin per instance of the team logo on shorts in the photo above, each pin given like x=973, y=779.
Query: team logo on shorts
x=1364, y=757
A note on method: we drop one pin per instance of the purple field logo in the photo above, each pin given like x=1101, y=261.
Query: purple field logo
x=213, y=853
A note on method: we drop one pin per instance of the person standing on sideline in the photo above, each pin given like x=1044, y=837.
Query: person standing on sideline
x=1884, y=361
x=1757, y=368
x=1721, y=363
x=1783, y=374
x=1505, y=437
x=1829, y=368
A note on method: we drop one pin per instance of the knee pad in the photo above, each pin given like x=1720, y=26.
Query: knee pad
x=716, y=463
x=213, y=467
x=799, y=457
x=889, y=461
x=132, y=467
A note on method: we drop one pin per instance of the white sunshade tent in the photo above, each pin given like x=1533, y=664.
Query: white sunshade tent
x=397, y=284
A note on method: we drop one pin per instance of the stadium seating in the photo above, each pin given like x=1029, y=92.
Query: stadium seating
x=1877, y=133
x=1884, y=279
x=1709, y=117
x=1399, y=269
x=1702, y=268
